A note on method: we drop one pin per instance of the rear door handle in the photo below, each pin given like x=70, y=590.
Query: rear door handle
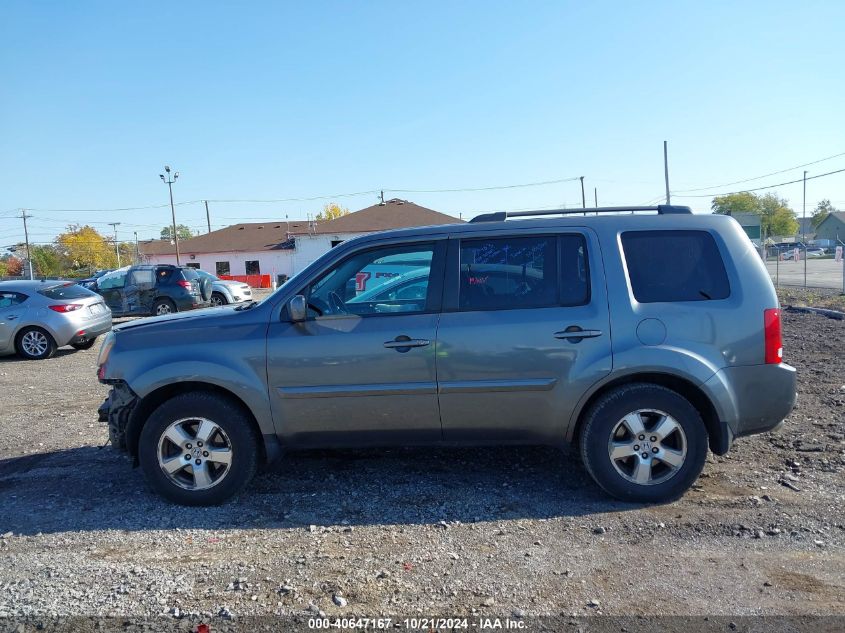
x=574, y=334
x=404, y=343
x=12, y=317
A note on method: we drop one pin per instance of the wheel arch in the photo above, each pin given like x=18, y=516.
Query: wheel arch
x=268, y=446
x=718, y=433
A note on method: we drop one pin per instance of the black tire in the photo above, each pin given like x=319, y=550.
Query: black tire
x=226, y=414
x=24, y=348
x=85, y=345
x=218, y=299
x=205, y=288
x=163, y=306
x=608, y=412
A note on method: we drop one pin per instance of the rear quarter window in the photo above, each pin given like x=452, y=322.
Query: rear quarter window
x=674, y=266
x=66, y=291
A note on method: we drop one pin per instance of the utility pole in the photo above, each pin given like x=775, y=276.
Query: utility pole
x=381, y=195
x=583, y=199
x=666, y=169
x=116, y=248
x=596, y=197
x=804, y=228
x=24, y=216
x=169, y=182
x=207, y=216
x=137, y=252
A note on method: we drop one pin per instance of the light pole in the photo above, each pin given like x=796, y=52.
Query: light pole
x=116, y=247
x=169, y=181
x=804, y=229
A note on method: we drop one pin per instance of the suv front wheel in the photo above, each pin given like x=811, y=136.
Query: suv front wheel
x=198, y=449
x=644, y=442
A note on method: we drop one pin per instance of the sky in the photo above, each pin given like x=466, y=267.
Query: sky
x=298, y=103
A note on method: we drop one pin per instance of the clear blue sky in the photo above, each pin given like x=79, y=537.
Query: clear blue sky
x=270, y=100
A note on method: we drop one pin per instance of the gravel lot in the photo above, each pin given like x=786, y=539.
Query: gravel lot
x=488, y=531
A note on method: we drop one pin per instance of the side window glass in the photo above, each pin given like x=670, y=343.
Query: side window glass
x=674, y=265
x=116, y=279
x=143, y=277
x=508, y=273
x=10, y=299
x=392, y=280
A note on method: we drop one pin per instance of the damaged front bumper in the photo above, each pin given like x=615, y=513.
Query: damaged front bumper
x=116, y=411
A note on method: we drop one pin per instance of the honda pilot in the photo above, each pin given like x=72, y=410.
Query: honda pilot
x=642, y=339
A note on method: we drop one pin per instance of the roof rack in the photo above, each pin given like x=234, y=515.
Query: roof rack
x=500, y=216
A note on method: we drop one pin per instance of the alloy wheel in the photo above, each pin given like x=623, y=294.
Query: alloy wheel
x=647, y=447
x=163, y=308
x=35, y=343
x=195, y=453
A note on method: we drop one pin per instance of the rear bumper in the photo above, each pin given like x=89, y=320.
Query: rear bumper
x=753, y=399
x=92, y=331
x=184, y=304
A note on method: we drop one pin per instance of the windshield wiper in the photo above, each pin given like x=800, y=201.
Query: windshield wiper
x=246, y=306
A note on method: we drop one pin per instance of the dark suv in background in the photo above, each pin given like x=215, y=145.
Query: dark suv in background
x=153, y=289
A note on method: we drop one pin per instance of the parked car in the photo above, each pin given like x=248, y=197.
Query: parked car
x=154, y=289
x=226, y=291
x=815, y=252
x=643, y=340
x=91, y=282
x=38, y=317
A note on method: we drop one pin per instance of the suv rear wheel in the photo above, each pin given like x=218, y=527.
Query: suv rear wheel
x=163, y=306
x=644, y=442
x=198, y=449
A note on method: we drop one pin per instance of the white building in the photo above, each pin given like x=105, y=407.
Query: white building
x=270, y=249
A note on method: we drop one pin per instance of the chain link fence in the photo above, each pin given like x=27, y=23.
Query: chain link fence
x=807, y=266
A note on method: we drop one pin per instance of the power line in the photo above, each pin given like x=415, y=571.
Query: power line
x=774, y=173
x=791, y=182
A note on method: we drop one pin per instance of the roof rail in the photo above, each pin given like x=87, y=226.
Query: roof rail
x=500, y=216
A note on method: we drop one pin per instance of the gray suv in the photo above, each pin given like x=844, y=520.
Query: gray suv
x=641, y=339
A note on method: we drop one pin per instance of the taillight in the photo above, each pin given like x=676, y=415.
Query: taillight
x=66, y=307
x=184, y=283
x=772, y=333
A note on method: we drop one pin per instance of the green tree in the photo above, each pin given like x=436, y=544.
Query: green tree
x=732, y=203
x=822, y=210
x=4, y=269
x=183, y=232
x=47, y=261
x=332, y=211
x=776, y=216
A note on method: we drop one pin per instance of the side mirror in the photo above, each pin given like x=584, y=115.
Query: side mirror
x=297, y=309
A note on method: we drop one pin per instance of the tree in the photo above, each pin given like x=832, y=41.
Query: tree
x=47, y=261
x=14, y=266
x=820, y=213
x=84, y=247
x=332, y=211
x=4, y=269
x=776, y=216
x=182, y=232
x=732, y=203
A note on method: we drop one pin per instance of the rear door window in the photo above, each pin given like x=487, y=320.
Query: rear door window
x=11, y=299
x=674, y=266
x=508, y=273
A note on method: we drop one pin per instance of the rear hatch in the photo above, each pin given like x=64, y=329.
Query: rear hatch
x=73, y=298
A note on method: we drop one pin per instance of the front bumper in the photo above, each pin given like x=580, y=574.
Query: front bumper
x=116, y=411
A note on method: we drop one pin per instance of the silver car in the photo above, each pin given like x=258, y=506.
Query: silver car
x=38, y=317
x=226, y=291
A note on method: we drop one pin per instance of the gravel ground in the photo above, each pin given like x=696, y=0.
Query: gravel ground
x=516, y=531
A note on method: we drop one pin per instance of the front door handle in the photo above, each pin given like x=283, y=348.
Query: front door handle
x=574, y=334
x=11, y=318
x=404, y=343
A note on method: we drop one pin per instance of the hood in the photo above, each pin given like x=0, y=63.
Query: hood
x=179, y=318
x=229, y=282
